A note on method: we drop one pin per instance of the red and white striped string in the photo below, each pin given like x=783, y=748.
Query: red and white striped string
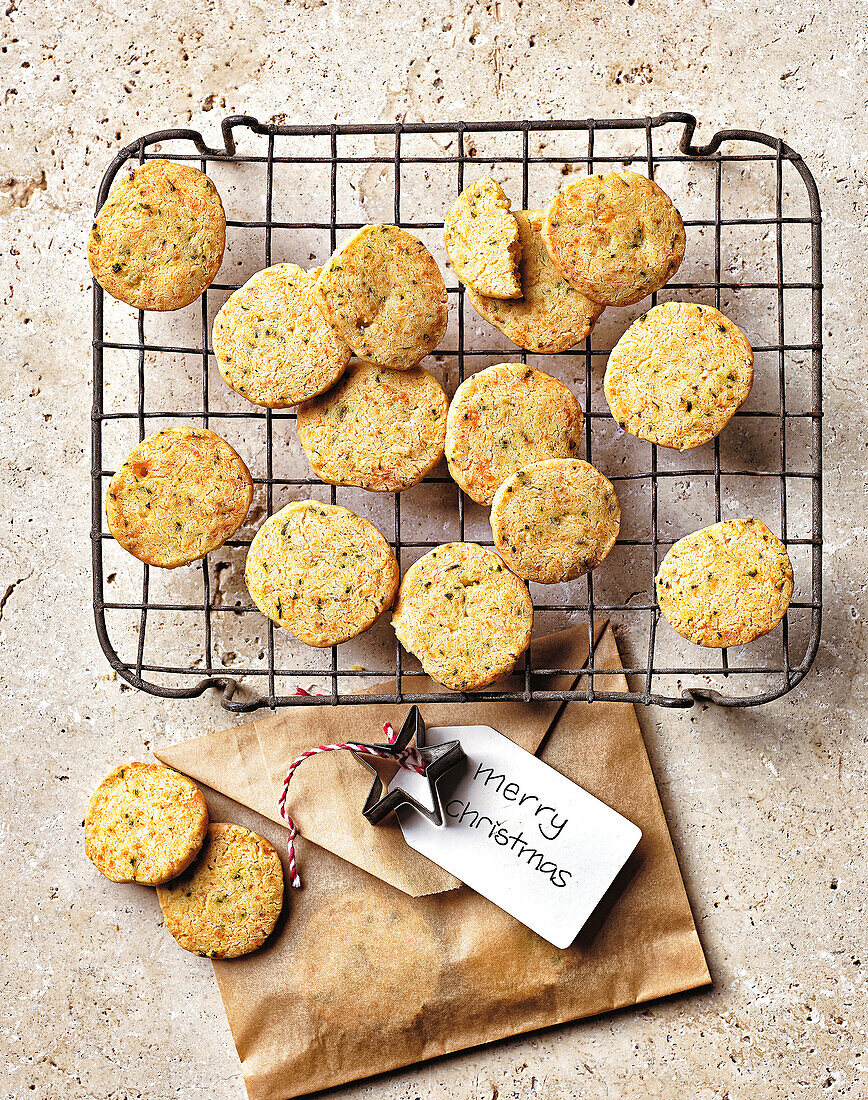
x=405, y=758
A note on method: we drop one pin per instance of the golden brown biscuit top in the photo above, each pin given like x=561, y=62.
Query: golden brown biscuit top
x=158, y=241
x=678, y=374
x=271, y=342
x=227, y=903
x=378, y=428
x=505, y=417
x=384, y=295
x=320, y=571
x=726, y=584
x=179, y=494
x=551, y=316
x=144, y=823
x=555, y=520
x=616, y=237
x=464, y=614
x=481, y=237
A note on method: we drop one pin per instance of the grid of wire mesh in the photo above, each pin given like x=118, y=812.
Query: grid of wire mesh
x=777, y=449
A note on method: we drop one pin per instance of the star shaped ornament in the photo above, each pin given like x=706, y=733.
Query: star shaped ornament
x=435, y=760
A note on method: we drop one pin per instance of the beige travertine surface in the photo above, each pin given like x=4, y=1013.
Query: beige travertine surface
x=767, y=807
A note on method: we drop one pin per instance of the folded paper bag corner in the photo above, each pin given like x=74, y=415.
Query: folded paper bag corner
x=248, y=763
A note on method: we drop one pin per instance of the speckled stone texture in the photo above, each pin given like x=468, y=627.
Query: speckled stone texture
x=767, y=807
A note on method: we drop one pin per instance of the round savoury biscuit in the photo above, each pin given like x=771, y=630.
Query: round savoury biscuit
x=376, y=930
x=271, y=342
x=464, y=615
x=727, y=584
x=552, y=316
x=180, y=493
x=555, y=520
x=321, y=572
x=158, y=241
x=380, y=429
x=506, y=417
x=227, y=903
x=384, y=296
x=481, y=237
x=678, y=374
x=144, y=823
x=615, y=237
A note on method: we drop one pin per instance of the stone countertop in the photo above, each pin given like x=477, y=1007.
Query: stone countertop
x=767, y=807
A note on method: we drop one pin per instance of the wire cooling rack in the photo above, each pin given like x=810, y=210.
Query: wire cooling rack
x=752, y=214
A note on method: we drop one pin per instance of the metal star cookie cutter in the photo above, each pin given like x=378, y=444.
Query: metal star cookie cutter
x=437, y=761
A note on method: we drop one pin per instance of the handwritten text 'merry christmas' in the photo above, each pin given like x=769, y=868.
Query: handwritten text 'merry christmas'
x=545, y=818
x=541, y=848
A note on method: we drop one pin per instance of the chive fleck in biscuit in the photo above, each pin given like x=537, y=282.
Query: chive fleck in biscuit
x=384, y=296
x=506, y=417
x=144, y=823
x=727, y=584
x=158, y=241
x=615, y=237
x=271, y=342
x=227, y=903
x=181, y=493
x=678, y=374
x=464, y=615
x=555, y=520
x=481, y=237
x=552, y=316
x=379, y=428
x=321, y=572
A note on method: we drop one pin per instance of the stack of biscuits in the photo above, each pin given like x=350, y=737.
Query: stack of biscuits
x=342, y=344
x=220, y=887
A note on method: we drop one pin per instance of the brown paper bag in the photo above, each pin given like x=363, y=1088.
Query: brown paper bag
x=361, y=976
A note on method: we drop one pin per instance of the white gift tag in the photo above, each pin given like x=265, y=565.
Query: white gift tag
x=519, y=833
